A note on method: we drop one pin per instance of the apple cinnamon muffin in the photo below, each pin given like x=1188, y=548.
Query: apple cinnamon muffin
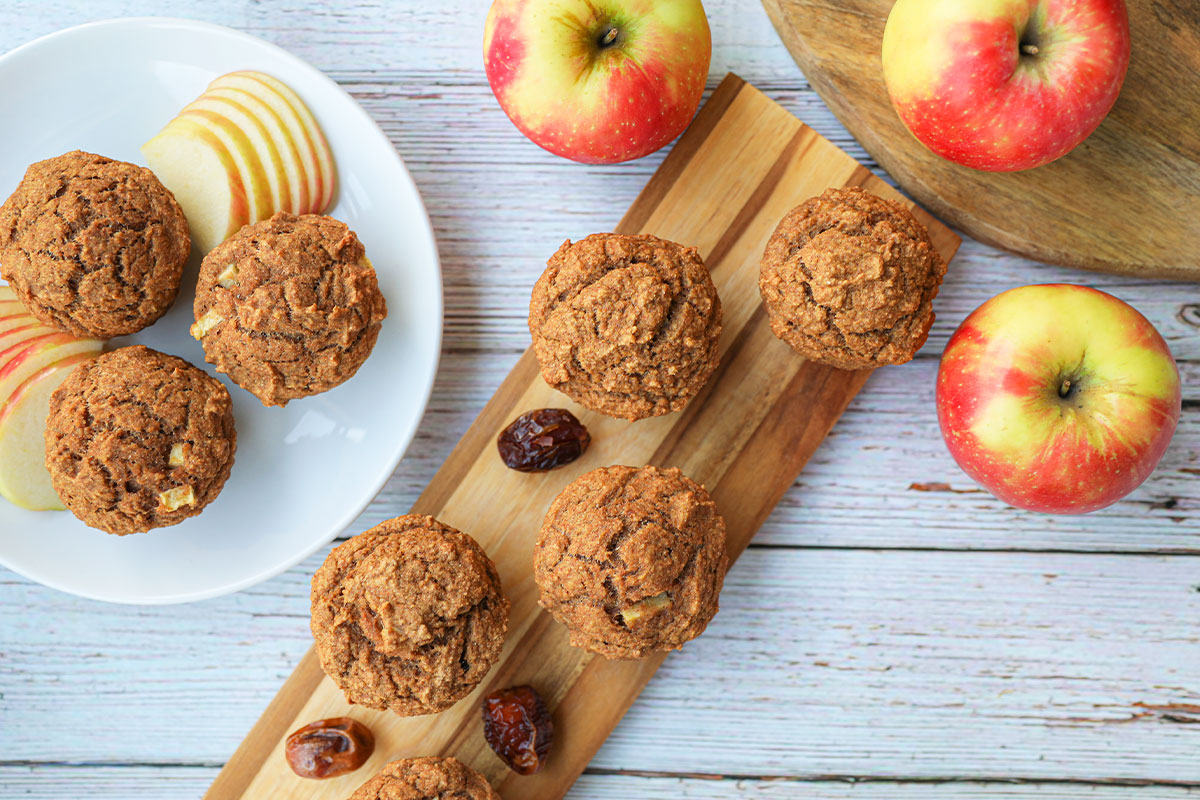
x=92, y=246
x=137, y=439
x=631, y=560
x=408, y=616
x=289, y=307
x=626, y=325
x=426, y=779
x=848, y=280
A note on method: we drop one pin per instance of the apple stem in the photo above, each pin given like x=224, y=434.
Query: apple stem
x=609, y=36
x=1065, y=389
x=1029, y=49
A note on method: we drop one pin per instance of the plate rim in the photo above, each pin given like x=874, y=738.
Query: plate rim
x=404, y=441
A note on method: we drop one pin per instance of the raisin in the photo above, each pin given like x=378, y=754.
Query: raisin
x=329, y=747
x=542, y=440
x=517, y=725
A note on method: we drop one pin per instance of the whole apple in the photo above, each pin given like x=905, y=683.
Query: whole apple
x=598, y=81
x=1005, y=85
x=1057, y=398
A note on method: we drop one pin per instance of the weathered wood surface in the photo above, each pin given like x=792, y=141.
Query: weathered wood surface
x=169, y=783
x=172, y=690
x=1127, y=200
x=848, y=663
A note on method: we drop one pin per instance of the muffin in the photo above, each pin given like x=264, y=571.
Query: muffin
x=631, y=560
x=137, y=439
x=626, y=325
x=289, y=307
x=849, y=278
x=426, y=779
x=408, y=616
x=92, y=246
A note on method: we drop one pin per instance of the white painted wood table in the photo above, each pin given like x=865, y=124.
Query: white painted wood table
x=893, y=632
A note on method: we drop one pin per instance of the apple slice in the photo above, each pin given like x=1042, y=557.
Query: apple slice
x=320, y=186
x=24, y=480
x=15, y=344
x=200, y=172
x=270, y=136
x=15, y=321
x=19, y=361
x=300, y=123
x=17, y=329
x=316, y=135
x=254, y=147
x=246, y=160
x=12, y=308
x=30, y=354
x=9, y=302
x=13, y=315
x=303, y=172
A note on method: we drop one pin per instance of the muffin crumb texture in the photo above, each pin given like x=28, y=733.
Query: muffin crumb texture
x=138, y=439
x=92, y=246
x=426, y=779
x=626, y=325
x=289, y=307
x=408, y=615
x=849, y=278
x=631, y=560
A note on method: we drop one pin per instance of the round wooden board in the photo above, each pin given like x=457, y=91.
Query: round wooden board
x=1127, y=200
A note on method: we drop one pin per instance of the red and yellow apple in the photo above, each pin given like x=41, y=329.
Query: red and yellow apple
x=1057, y=398
x=598, y=81
x=1005, y=85
x=34, y=360
x=245, y=149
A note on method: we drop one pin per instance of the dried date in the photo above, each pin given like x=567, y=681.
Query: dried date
x=517, y=725
x=329, y=747
x=542, y=440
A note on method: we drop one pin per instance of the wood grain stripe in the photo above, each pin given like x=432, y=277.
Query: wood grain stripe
x=753, y=205
x=785, y=439
x=635, y=219
x=714, y=259
x=663, y=456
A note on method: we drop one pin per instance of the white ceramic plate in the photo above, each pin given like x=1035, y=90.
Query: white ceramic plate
x=302, y=473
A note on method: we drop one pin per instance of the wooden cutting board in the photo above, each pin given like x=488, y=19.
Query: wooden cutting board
x=742, y=165
x=1126, y=201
